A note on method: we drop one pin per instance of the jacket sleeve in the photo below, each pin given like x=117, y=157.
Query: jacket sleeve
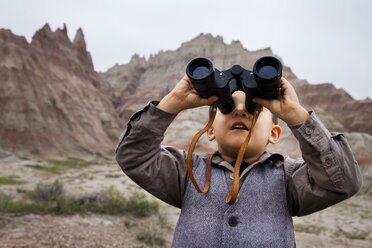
x=328, y=172
x=159, y=170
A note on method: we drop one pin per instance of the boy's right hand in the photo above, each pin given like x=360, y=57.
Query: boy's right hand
x=182, y=97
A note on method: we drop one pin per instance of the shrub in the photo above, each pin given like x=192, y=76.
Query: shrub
x=109, y=201
x=139, y=205
x=151, y=234
x=47, y=191
x=50, y=198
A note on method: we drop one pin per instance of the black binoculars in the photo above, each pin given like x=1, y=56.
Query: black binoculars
x=264, y=81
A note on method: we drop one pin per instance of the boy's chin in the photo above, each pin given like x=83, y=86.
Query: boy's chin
x=233, y=152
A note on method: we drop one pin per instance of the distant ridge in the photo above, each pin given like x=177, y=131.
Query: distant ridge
x=53, y=103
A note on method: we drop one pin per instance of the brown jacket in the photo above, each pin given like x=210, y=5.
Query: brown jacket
x=327, y=174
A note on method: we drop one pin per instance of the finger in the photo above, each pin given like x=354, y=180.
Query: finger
x=287, y=91
x=285, y=84
x=188, y=81
x=185, y=77
x=194, y=91
x=209, y=101
x=281, y=94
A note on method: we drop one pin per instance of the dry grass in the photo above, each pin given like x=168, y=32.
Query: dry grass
x=308, y=228
x=362, y=235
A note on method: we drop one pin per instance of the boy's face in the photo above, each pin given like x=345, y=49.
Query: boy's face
x=230, y=131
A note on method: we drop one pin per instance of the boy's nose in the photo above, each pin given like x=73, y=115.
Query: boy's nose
x=240, y=111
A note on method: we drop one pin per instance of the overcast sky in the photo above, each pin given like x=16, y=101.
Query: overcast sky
x=321, y=40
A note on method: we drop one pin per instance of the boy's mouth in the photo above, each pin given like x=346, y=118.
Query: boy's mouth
x=239, y=126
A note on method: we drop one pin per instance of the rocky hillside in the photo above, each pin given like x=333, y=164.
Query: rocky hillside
x=354, y=115
x=52, y=102
x=143, y=80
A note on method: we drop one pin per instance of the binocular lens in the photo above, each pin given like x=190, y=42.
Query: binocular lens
x=200, y=72
x=199, y=68
x=267, y=71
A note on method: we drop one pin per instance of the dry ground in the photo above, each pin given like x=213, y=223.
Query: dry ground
x=347, y=224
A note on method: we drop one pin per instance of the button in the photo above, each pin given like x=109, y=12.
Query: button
x=328, y=162
x=232, y=176
x=309, y=130
x=233, y=221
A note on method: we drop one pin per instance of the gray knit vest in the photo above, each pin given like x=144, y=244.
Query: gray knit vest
x=259, y=217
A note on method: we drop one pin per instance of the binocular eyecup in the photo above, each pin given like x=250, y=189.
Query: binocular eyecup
x=264, y=81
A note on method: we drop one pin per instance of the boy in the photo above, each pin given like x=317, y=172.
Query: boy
x=273, y=187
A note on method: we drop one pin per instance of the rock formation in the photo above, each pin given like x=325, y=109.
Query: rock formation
x=52, y=102
x=143, y=80
x=354, y=115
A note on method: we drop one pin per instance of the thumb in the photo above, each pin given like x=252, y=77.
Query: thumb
x=263, y=102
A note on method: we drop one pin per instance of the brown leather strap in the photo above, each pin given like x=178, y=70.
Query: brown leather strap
x=191, y=150
x=233, y=194
x=231, y=197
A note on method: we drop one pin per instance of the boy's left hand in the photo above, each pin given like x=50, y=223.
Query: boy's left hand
x=287, y=107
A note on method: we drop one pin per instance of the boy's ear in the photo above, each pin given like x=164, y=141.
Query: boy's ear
x=210, y=134
x=276, y=130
